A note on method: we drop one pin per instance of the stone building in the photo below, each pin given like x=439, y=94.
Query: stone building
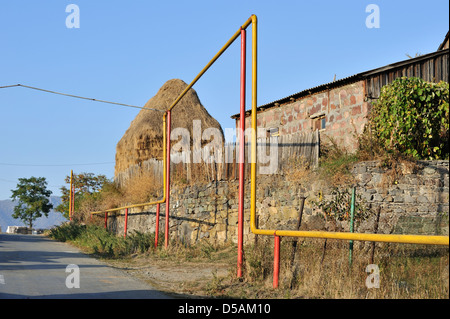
x=339, y=109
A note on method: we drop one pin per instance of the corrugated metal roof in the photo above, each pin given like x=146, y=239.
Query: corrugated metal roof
x=306, y=92
x=444, y=42
x=346, y=80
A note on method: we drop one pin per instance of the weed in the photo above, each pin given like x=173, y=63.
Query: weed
x=406, y=271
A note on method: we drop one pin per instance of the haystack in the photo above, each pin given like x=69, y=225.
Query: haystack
x=144, y=138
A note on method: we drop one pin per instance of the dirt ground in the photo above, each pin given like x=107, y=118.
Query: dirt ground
x=178, y=279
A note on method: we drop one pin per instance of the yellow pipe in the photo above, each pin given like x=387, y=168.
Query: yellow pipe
x=218, y=54
x=164, y=180
x=252, y=19
x=412, y=239
x=254, y=122
x=390, y=238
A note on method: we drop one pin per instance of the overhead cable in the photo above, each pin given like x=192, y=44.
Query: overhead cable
x=52, y=165
x=78, y=97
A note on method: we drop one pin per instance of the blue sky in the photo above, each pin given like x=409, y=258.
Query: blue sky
x=124, y=51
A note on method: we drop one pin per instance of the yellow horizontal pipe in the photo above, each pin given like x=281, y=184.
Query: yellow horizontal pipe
x=164, y=180
x=129, y=206
x=411, y=239
x=389, y=238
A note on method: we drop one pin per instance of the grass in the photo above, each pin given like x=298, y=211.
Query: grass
x=405, y=271
x=413, y=273
x=96, y=240
x=336, y=162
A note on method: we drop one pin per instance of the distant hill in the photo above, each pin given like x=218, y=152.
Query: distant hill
x=7, y=209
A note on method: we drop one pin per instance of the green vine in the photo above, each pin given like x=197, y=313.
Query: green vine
x=411, y=117
x=338, y=208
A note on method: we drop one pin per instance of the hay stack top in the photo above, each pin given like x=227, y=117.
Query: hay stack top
x=144, y=138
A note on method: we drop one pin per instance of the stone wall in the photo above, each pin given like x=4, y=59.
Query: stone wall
x=413, y=199
x=416, y=201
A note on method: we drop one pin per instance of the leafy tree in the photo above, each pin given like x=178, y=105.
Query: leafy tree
x=33, y=200
x=412, y=117
x=85, y=185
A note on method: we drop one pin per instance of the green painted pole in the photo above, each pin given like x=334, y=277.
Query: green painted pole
x=352, y=221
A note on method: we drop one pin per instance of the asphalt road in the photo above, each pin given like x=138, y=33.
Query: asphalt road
x=33, y=266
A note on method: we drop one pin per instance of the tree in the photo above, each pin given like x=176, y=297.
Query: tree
x=33, y=200
x=412, y=117
x=84, y=185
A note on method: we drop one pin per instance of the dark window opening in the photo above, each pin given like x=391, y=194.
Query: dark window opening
x=320, y=123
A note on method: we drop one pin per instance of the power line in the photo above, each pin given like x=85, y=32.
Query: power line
x=7, y=180
x=78, y=97
x=54, y=165
x=15, y=182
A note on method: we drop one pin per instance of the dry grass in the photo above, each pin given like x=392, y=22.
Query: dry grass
x=412, y=272
x=396, y=168
x=298, y=169
x=406, y=271
x=196, y=174
x=141, y=189
x=335, y=165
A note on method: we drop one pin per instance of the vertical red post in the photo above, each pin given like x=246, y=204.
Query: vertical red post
x=166, y=239
x=106, y=220
x=241, y=157
x=276, y=261
x=70, y=195
x=157, y=226
x=126, y=223
x=73, y=203
x=70, y=203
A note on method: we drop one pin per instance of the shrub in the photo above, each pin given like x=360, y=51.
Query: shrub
x=66, y=232
x=411, y=117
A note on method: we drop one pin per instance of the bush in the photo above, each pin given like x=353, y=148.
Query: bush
x=411, y=117
x=66, y=232
x=98, y=240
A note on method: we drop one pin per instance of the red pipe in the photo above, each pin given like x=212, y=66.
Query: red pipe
x=166, y=239
x=276, y=261
x=126, y=223
x=70, y=203
x=73, y=203
x=106, y=219
x=241, y=157
x=157, y=226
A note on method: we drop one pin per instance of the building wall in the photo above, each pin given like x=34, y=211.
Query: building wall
x=343, y=108
x=417, y=202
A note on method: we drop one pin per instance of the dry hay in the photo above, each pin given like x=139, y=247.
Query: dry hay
x=143, y=139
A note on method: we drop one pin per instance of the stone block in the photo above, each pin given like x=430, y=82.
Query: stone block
x=422, y=199
x=399, y=199
x=429, y=170
x=359, y=169
x=409, y=199
x=273, y=210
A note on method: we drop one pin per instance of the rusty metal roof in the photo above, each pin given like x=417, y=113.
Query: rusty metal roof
x=344, y=81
